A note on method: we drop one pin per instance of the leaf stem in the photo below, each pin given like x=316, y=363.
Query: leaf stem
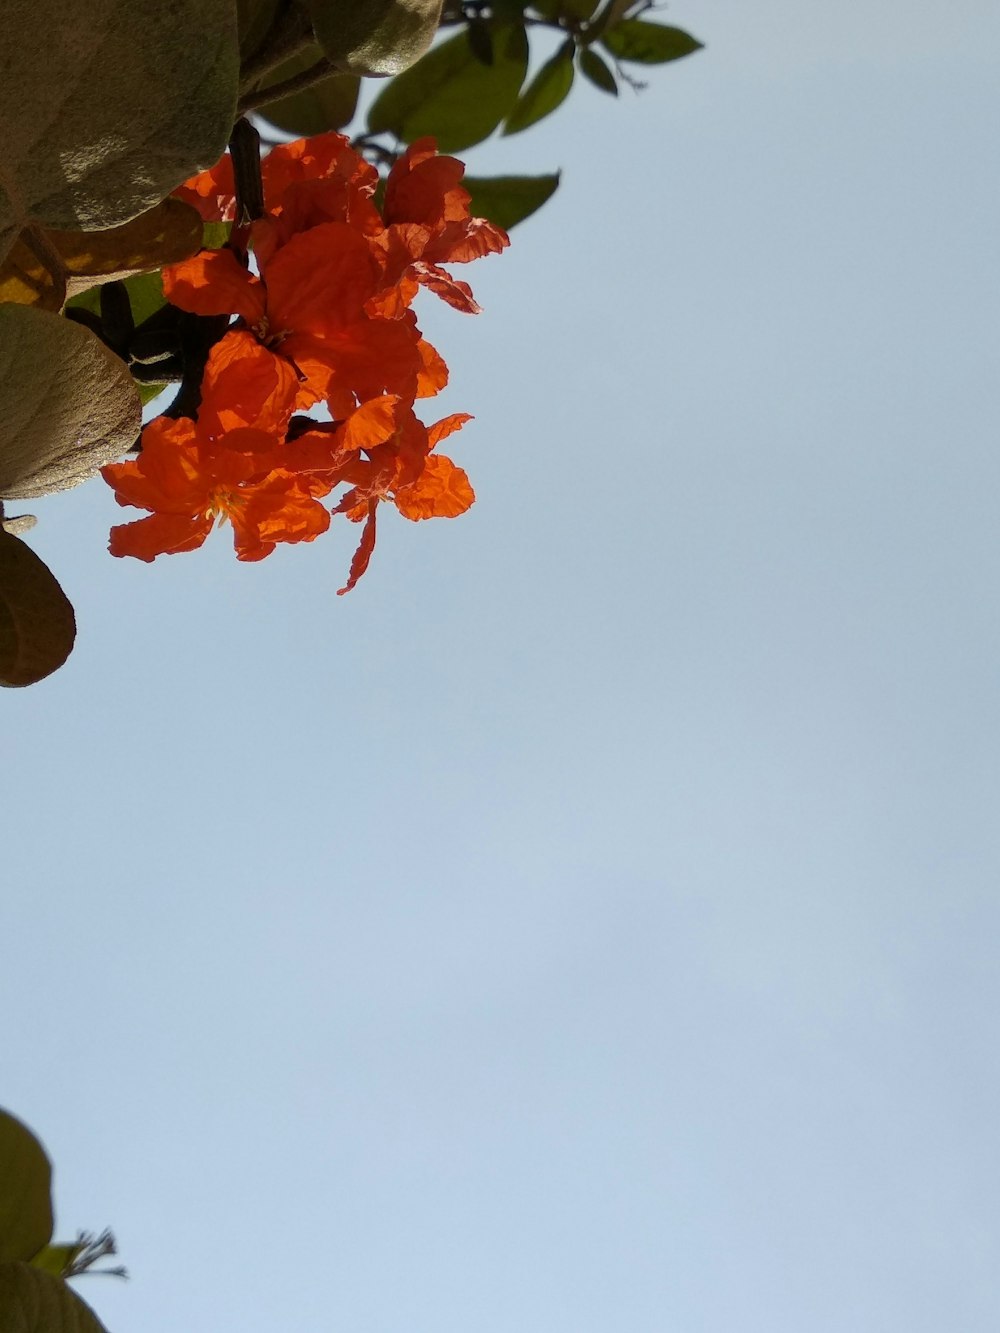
x=296, y=83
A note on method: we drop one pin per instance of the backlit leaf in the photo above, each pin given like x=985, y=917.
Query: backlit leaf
x=374, y=37
x=107, y=106
x=25, y=1170
x=27, y=280
x=507, y=200
x=56, y=1259
x=37, y=630
x=648, y=43
x=452, y=95
x=596, y=70
x=327, y=105
x=547, y=90
x=68, y=405
x=166, y=234
x=35, y=1302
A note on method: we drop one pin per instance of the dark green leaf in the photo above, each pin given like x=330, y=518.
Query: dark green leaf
x=254, y=19
x=547, y=90
x=508, y=200
x=25, y=1171
x=327, y=105
x=35, y=1302
x=481, y=41
x=576, y=9
x=648, y=43
x=452, y=95
x=56, y=1259
x=37, y=632
x=374, y=37
x=596, y=70
x=145, y=291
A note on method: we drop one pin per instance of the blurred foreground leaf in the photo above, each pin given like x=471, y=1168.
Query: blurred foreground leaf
x=166, y=234
x=68, y=405
x=374, y=37
x=25, y=1170
x=107, y=106
x=35, y=1302
x=37, y=631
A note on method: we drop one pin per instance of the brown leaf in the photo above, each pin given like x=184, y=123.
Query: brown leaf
x=37, y=625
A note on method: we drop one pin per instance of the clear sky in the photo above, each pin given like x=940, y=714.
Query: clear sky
x=590, y=923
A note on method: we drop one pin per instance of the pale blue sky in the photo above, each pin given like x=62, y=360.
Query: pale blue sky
x=590, y=923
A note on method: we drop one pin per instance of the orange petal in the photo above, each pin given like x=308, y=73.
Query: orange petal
x=447, y=426
x=443, y=491
x=214, y=282
x=373, y=423
x=159, y=534
x=246, y=385
x=364, y=552
x=456, y=293
x=433, y=373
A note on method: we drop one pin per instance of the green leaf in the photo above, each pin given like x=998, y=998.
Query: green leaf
x=57, y=1259
x=508, y=200
x=327, y=105
x=596, y=70
x=576, y=9
x=452, y=95
x=68, y=405
x=25, y=1170
x=145, y=290
x=35, y=1302
x=107, y=106
x=648, y=43
x=546, y=91
x=374, y=37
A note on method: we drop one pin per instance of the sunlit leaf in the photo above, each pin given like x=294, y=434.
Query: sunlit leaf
x=35, y=1302
x=374, y=37
x=68, y=405
x=25, y=1170
x=507, y=200
x=546, y=91
x=452, y=95
x=107, y=106
x=596, y=70
x=648, y=43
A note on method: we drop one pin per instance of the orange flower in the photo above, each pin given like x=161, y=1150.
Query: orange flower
x=403, y=469
x=350, y=180
x=188, y=481
x=308, y=309
x=427, y=217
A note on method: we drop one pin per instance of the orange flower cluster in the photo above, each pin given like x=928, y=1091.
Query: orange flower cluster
x=326, y=319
